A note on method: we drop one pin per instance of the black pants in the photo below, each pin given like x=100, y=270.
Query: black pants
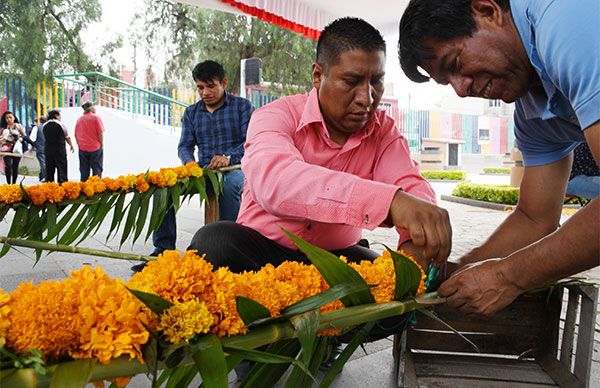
x=240, y=248
x=11, y=169
x=58, y=163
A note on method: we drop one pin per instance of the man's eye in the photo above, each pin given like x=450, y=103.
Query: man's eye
x=351, y=82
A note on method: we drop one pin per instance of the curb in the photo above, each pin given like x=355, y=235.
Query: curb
x=475, y=202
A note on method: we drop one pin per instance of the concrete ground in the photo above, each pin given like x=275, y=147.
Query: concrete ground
x=369, y=367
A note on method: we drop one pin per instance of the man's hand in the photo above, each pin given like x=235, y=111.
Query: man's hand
x=480, y=288
x=218, y=161
x=71, y=148
x=428, y=225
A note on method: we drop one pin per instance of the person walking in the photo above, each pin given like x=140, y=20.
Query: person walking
x=38, y=139
x=56, y=137
x=89, y=134
x=13, y=134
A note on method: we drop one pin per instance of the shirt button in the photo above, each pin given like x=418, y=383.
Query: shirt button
x=366, y=220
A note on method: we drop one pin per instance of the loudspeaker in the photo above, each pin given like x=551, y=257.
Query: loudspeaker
x=253, y=71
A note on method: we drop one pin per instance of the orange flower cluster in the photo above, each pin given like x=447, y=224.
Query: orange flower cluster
x=87, y=315
x=54, y=193
x=191, y=278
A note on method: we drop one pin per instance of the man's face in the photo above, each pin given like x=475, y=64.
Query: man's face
x=211, y=92
x=491, y=63
x=350, y=91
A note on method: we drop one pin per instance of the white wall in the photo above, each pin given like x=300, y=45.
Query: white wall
x=132, y=143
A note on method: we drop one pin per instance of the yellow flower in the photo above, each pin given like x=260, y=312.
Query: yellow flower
x=111, y=184
x=36, y=194
x=184, y=320
x=140, y=184
x=194, y=170
x=4, y=310
x=88, y=189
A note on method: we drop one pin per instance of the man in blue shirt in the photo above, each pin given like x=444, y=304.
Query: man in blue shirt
x=545, y=56
x=216, y=125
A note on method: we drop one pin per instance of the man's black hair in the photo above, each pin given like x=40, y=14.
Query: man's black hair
x=441, y=20
x=53, y=114
x=208, y=71
x=347, y=34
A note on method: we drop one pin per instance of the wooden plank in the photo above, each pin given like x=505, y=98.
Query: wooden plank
x=433, y=382
x=559, y=373
x=480, y=368
x=566, y=348
x=211, y=208
x=585, y=335
x=492, y=344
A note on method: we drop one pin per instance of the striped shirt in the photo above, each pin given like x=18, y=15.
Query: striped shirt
x=222, y=132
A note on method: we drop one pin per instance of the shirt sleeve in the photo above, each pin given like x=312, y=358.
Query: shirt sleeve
x=287, y=186
x=245, y=113
x=187, y=141
x=33, y=134
x=99, y=125
x=570, y=51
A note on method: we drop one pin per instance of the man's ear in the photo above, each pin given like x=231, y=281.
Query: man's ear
x=486, y=11
x=224, y=82
x=317, y=74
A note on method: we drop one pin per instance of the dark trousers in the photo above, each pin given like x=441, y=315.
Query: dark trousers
x=11, y=169
x=240, y=248
x=90, y=161
x=58, y=163
x=165, y=236
x=41, y=157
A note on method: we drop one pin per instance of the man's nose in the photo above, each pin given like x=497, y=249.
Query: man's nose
x=364, y=94
x=461, y=85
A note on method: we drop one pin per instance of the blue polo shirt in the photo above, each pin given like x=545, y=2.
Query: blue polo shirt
x=562, y=41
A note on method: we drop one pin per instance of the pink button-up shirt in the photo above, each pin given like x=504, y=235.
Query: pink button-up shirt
x=299, y=179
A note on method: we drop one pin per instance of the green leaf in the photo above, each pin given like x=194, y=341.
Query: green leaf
x=306, y=326
x=66, y=217
x=214, y=176
x=73, y=226
x=153, y=302
x=180, y=376
x=336, y=292
x=51, y=218
x=141, y=218
x=297, y=377
x=134, y=206
x=333, y=270
x=175, y=192
x=267, y=375
x=15, y=227
x=117, y=215
x=4, y=211
x=358, y=339
x=200, y=185
x=210, y=362
x=408, y=275
x=73, y=374
x=250, y=310
x=105, y=206
x=175, y=358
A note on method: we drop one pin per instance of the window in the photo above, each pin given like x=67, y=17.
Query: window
x=484, y=136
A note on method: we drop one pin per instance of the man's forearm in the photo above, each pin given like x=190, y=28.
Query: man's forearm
x=516, y=232
x=573, y=248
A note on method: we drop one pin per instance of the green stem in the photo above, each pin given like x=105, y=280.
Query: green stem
x=71, y=249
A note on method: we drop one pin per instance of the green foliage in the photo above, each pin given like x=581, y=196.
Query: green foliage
x=33, y=359
x=194, y=34
x=496, y=170
x=451, y=175
x=41, y=37
x=503, y=194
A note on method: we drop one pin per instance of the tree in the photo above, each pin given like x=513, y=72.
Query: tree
x=194, y=34
x=39, y=38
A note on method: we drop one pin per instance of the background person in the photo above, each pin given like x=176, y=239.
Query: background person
x=216, y=126
x=37, y=137
x=56, y=138
x=543, y=55
x=89, y=134
x=13, y=135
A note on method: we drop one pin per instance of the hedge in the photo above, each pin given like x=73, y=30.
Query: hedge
x=496, y=170
x=451, y=175
x=503, y=194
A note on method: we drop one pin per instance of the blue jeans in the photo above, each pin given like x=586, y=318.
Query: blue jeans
x=41, y=157
x=584, y=186
x=165, y=236
x=90, y=161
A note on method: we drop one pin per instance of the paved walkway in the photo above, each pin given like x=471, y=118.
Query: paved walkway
x=371, y=367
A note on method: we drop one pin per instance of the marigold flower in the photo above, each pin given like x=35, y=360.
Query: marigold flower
x=10, y=194
x=36, y=194
x=184, y=320
x=194, y=170
x=140, y=184
x=4, y=310
x=72, y=189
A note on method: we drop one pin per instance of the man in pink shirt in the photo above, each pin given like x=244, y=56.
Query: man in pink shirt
x=326, y=164
x=89, y=133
